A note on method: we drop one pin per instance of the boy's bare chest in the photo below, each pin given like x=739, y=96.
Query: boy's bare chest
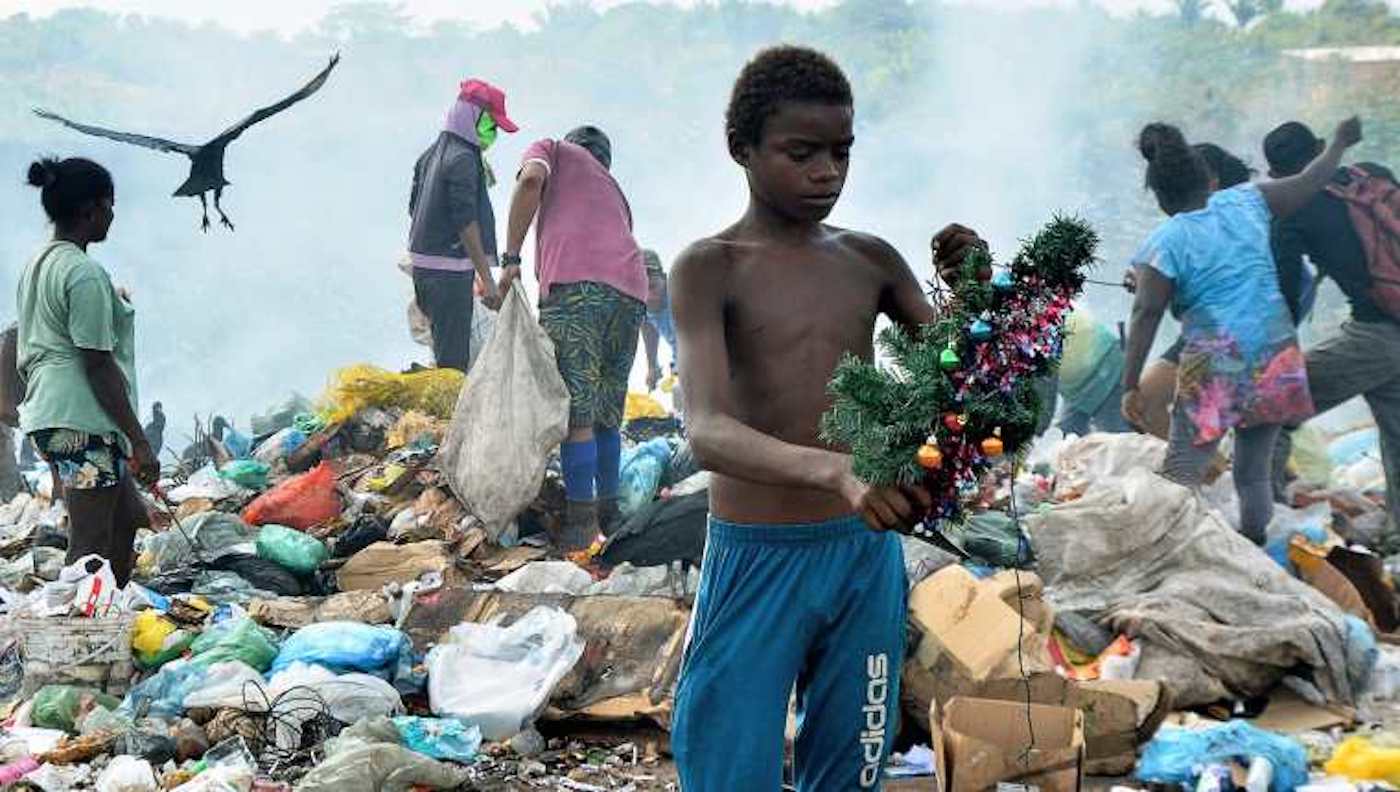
x=804, y=305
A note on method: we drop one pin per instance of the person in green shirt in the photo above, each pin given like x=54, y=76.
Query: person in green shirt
x=76, y=357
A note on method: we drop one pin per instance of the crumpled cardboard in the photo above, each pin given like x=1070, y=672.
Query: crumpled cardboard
x=293, y=613
x=980, y=743
x=969, y=630
x=385, y=562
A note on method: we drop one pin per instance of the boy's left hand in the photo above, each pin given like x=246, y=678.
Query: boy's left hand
x=886, y=508
x=951, y=246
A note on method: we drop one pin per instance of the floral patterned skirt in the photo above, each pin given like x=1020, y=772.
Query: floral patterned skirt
x=84, y=461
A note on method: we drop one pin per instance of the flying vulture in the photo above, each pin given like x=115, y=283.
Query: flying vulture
x=207, y=160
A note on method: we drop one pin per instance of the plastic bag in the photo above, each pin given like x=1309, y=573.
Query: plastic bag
x=94, y=585
x=1311, y=523
x=299, y=502
x=348, y=646
x=440, y=738
x=62, y=706
x=1359, y=759
x=127, y=774
x=349, y=698
x=281, y=416
x=641, y=405
x=235, y=639
x=215, y=534
x=354, y=388
x=205, y=483
x=237, y=443
x=1175, y=755
x=225, y=686
x=501, y=677
x=151, y=742
x=993, y=537
x=642, y=470
x=547, y=577
x=162, y=695
x=1354, y=445
x=156, y=639
x=280, y=445
x=1309, y=458
x=247, y=473
x=294, y=550
x=509, y=417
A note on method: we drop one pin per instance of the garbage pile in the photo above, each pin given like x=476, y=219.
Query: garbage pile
x=1193, y=658
x=321, y=606
x=317, y=608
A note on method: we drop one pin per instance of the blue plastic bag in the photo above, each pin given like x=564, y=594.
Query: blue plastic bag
x=162, y=695
x=237, y=443
x=642, y=469
x=440, y=738
x=351, y=646
x=1176, y=755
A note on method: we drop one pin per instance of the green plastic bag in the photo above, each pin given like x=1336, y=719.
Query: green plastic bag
x=291, y=549
x=61, y=706
x=235, y=639
x=247, y=473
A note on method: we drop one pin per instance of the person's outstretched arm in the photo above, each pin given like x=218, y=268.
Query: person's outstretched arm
x=1286, y=196
x=524, y=205
x=1154, y=294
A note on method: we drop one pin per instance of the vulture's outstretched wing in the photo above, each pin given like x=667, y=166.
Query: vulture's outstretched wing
x=144, y=141
x=312, y=87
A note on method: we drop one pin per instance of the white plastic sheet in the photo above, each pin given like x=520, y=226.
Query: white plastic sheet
x=499, y=678
x=513, y=411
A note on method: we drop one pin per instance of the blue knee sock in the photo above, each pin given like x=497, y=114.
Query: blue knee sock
x=609, y=460
x=580, y=464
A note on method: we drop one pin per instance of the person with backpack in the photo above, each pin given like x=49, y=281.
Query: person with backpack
x=77, y=362
x=1351, y=233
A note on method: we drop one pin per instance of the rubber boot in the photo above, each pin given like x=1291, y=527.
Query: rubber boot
x=609, y=516
x=580, y=526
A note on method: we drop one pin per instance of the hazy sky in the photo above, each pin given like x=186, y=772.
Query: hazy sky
x=247, y=15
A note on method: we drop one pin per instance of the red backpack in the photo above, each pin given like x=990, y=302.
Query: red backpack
x=1373, y=202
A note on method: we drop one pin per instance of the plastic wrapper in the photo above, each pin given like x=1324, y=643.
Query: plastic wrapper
x=440, y=738
x=299, y=502
x=501, y=677
x=205, y=483
x=246, y=473
x=547, y=577
x=63, y=706
x=291, y=549
x=643, y=467
x=1362, y=759
x=156, y=639
x=153, y=744
x=349, y=646
x=235, y=639
x=1176, y=755
x=433, y=391
x=127, y=774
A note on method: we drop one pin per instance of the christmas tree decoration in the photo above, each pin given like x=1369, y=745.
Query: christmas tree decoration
x=976, y=389
x=948, y=360
x=993, y=447
x=930, y=458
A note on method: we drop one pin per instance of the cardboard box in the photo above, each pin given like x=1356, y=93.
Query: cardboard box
x=980, y=743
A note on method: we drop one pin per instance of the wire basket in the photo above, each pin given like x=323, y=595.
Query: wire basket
x=94, y=653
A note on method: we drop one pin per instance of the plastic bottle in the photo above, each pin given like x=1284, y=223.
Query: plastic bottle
x=1261, y=775
x=1215, y=778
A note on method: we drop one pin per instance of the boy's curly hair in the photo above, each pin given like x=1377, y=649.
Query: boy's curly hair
x=776, y=75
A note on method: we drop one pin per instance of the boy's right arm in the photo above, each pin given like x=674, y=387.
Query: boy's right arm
x=725, y=445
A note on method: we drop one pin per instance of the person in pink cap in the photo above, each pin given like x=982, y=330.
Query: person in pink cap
x=453, y=229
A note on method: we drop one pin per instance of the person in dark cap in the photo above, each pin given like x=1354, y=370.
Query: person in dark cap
x=1363, y=359
x=593, y=295
x=453, y=228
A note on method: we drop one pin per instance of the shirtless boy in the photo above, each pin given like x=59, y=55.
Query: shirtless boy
x=802, y=582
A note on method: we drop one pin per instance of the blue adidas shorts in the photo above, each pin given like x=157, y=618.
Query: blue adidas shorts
x=819, y=606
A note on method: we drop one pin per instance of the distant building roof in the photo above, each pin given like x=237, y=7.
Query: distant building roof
x=1352, y=54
